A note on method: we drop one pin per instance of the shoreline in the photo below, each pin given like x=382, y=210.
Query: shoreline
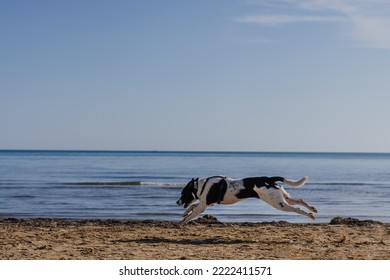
x=203, y=239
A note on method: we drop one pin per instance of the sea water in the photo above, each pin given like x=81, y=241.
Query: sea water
x=141, y=185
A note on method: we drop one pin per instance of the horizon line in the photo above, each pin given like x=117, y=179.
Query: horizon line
x=187, y=151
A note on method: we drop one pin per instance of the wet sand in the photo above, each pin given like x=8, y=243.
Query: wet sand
x=204, y=239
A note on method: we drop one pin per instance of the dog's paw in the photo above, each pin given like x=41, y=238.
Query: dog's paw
x=312, y=208
x=181, y=223
x=311, y=215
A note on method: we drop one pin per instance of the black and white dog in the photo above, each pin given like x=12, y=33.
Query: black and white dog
x=223, y=190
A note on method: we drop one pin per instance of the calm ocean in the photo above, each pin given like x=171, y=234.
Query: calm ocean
x=145, y=185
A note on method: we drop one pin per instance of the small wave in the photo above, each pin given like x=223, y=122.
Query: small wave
x=166, y=184
x=349, y=184
x=127, y=183
x=23, y=196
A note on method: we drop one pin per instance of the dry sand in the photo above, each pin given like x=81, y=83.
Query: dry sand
x=204, y=239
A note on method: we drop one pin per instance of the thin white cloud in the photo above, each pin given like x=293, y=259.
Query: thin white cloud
x=340, y=6
x=285, y=19
x=366, y=22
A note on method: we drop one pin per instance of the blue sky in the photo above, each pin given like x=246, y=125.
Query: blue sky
x=227, y=75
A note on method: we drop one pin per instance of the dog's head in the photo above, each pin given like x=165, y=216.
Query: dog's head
x=188, y=194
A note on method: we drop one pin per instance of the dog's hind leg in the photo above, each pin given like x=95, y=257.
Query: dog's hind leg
x=293, y=201
x=284, y=206
x=276, y=198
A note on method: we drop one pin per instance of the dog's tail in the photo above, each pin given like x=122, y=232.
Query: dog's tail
x=296, y=184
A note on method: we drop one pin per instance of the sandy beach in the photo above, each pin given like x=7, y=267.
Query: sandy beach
x=206, y=238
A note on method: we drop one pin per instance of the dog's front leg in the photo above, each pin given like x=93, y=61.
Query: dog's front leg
x=189, y=209
x=199, y=209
